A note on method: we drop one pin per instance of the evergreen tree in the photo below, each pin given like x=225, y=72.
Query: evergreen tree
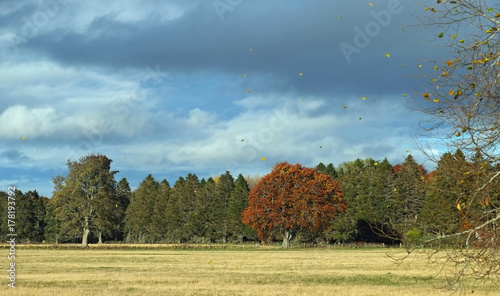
x=224, y=188
x=159, y=218
x=123, y=194
x=238, y=201
x=139, y=213
x=409, y=195
x=200, y=224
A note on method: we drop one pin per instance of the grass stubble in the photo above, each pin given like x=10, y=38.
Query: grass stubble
x=332, y=271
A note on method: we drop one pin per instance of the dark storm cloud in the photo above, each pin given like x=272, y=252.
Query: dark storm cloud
x=287, y=38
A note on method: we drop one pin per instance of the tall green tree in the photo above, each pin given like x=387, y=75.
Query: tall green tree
x=200, y=224
x=219, y=219
x=409, y=195
x=123, y=193
x=238, y=201
x=87, y=196
x=159, y=219
x=439, y=215
x=139, y=213
x=180, y=208
x=367, y=187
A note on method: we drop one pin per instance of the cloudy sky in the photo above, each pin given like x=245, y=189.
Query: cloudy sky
x=171, y=87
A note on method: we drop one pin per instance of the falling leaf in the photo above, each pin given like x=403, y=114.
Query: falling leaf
x=387, y=55
x=242, y=140
x=340, y=16
x=300, y=100
x=374, y=100
x=370, y=4
x=249, y=91
x=116, y=205
x=402, y=65
x=345, y=107
x=360, y=118
x=440, y=35
x=23, y=138
x=300, y=74
x=364, y=98
x=251, y=49
x=420, y=66
x=376, y=163
x=263, y=158
x=244, y=75
x=320, y=147
x=404, y=95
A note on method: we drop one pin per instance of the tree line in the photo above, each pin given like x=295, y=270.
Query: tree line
x=375, y=202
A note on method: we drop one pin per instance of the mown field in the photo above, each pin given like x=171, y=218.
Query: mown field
x=228, y=271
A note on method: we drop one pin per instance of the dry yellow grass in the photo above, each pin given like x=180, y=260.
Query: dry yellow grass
x=222, y=272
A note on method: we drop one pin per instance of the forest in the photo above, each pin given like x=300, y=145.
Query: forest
x=375, y=201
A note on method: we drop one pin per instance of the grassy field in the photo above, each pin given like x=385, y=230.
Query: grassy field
x=243, y=271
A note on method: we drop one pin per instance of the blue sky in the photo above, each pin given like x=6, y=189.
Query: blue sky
x=162, y=87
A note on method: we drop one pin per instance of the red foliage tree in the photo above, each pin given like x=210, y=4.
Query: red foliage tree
x=290, y=198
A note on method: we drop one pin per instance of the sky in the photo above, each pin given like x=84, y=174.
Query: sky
x=171, y=87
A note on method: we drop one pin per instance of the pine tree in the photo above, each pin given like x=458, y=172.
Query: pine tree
x=238, y=201
x=159, y=219
x=139, y=213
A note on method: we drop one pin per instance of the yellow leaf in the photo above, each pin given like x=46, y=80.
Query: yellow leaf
x=452, y=92
x=436, y=100
x=249, y=91
x=300, y=74
x=263, y=158
x=449, y=63
x=458, y=207
x=23, y=138
x=453, y=36
x=364, y=98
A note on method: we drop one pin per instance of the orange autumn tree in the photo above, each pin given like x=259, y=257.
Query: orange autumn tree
x=292, y=198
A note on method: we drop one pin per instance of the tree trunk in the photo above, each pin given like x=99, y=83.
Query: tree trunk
x=100, y=237
x=287, y=237
x=86, y=232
